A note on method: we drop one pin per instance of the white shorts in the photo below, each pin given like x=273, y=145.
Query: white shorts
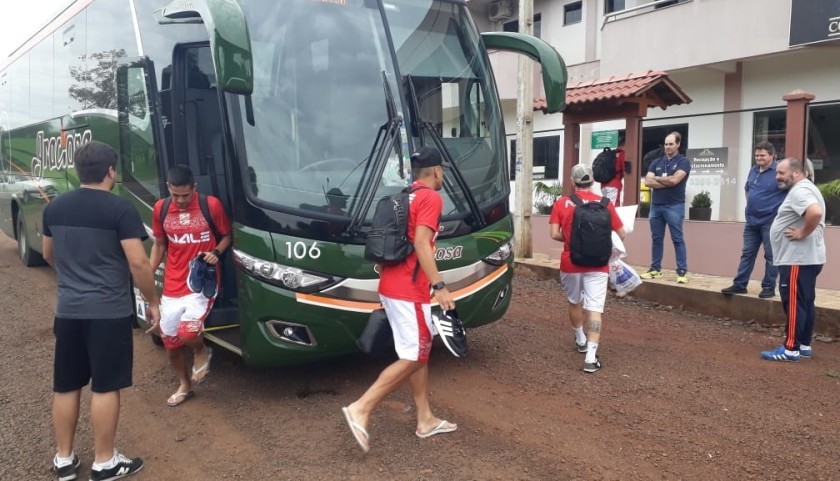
x=610, y=193
x=590, y=288
x=411, y=323
x=188, y=308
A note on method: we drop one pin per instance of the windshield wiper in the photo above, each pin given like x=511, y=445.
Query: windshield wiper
x=447, y=157
x=374, y=170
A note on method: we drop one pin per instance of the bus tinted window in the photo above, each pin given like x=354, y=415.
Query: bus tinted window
x=41, y=81
x=318, y=99
x=69, y=63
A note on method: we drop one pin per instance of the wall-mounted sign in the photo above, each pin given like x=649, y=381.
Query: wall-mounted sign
x=711, y=160
x=813, y=21
x=605, y=138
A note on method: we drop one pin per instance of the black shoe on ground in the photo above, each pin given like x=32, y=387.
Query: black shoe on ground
x=68, y=472
x=728, y=291
x=591, y=367
x=767, y=293
x=124, y=467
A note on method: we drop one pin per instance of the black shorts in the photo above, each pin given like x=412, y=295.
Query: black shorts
x=101, y=350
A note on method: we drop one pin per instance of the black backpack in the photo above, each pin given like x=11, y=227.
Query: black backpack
x=591, y=242
x=387, y=241
x=205, y=211
x=603, y=167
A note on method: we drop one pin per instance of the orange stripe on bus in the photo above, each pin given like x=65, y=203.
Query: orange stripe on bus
x=372, y=306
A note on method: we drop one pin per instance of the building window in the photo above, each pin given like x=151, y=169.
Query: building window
x=546, y=158
x=611, y=6
x=668, y=4
x=513, y=25
x=572, y=13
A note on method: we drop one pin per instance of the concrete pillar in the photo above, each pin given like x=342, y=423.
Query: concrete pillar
x=633, y=155
x=571, y=155
x=796, y=129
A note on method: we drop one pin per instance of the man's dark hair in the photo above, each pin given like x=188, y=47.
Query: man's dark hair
x=93, y=160
x=766, y=146
x=795, y=164
x=677, y=137
x=180, y=176
x=584, y=185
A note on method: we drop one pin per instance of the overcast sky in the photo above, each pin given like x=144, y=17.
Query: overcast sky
x=21, y=19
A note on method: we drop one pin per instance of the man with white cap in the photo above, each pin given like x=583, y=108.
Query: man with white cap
x=584, y=223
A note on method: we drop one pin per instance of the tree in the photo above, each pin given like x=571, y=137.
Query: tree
x=97, y=86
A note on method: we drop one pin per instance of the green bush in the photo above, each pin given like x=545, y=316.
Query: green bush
x=701, y=200
x=545, y=195
x=831, y=189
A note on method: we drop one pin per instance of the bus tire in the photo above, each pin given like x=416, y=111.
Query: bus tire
x=28, y=257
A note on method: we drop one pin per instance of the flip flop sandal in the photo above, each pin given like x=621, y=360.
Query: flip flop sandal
x=439, y=429
x=205, y=369
x=179, y=398
x=357, y=430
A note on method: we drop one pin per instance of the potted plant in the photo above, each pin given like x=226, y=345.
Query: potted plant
x=644, y=208
x=831, y=194
x=545, y=195
x=701, y=206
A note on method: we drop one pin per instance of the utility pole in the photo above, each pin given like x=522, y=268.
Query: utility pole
x=523, y=201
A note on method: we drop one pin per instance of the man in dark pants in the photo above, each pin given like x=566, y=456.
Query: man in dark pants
x=764, y=196
x=799, y=253
x=94, y=240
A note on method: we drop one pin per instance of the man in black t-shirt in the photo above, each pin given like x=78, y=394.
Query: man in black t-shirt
x=94, y=240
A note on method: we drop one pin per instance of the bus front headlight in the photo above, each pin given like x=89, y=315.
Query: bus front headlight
x=291, y=278
x=501, y=255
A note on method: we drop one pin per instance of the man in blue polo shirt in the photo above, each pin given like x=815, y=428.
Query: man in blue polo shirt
x=667, y=177
x=763, y=200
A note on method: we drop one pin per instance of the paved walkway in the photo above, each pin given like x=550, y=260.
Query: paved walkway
x=702, y=294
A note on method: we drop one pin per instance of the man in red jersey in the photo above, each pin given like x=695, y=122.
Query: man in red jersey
x=585, y=286
x=404, y=292
x=612, y=189
x=184, y=235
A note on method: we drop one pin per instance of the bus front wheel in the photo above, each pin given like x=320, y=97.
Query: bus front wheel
x=28, y=257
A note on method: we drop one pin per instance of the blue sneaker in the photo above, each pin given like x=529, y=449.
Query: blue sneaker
x=210, y=285
x=805, y=351
x=779, y=354
x=198, y=272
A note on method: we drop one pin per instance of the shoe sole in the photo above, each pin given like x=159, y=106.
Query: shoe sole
x=590, y=370
x=113, y=478
x=734, y=293
x=781, y=359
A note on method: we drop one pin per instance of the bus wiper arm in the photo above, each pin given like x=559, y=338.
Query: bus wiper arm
x=387, y=133
x=420, y=125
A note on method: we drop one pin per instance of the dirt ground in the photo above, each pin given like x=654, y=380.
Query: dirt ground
x=680, y=396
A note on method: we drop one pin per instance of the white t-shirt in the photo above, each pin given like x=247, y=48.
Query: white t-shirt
x=805, y=252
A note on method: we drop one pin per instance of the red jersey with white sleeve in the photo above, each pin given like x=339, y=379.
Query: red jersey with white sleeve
x=188, y=234
x=425, y=207
x=562, y=213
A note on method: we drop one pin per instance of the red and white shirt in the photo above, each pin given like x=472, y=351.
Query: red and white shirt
x=188, y=234
x=562, y=213
x=395, y=281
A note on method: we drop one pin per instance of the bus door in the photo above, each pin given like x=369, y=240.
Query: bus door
x=198, y=141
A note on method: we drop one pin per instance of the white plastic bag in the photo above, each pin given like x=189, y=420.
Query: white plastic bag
x=623, y=277
x=627, y=214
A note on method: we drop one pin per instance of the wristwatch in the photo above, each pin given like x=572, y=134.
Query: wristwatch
x=216, y=252
x=438, y=285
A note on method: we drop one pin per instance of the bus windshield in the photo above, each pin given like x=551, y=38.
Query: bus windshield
x=319, y=102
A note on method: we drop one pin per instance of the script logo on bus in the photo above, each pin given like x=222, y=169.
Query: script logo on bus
x=449, y=253
x=56, y=153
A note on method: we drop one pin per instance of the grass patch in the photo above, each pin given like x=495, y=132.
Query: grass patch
x=832, y=373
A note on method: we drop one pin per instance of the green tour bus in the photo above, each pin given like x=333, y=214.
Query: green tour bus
x=298, y=115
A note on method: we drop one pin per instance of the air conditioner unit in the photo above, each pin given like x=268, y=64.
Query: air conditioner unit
x=499, y=11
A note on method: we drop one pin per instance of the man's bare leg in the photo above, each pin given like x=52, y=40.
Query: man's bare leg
x=576, y=317
x=388, y=381
x=200, y=351
x=594, y=336
x=104, y=415
x=178, y=360
x=419, y=383
x=65, y=413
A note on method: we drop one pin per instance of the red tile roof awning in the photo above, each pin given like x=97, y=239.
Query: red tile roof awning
x=653, y=88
